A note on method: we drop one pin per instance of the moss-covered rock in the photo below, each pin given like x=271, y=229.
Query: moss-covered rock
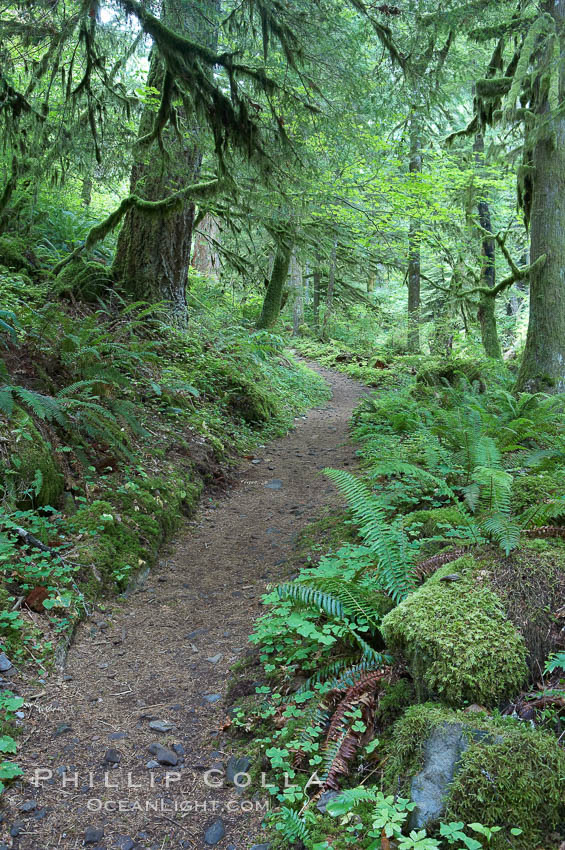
x=31, y=476
x=457, y=640
x=503, y=772
x=14, y=253
x=86, y=280
x=451, y=371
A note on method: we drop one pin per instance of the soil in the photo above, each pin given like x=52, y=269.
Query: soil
x=155, y=656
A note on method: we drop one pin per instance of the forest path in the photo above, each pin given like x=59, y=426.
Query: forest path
x=158, y=654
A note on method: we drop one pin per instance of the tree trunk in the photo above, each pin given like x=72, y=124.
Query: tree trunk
x=543, y=363
x=153, y=252
x=486, y=312
x=297, y=284
x=414, y=242
x=317, y=280
x=330, y=292
x=205, y=258
x=273, y=296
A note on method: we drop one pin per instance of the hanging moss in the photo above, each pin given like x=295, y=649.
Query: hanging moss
x=492, y=88
x=456, y=639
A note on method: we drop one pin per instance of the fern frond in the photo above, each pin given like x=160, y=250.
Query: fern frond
x=387, y=540
x=504, y=530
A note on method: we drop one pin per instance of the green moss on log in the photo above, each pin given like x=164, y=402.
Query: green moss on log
x=30, y=476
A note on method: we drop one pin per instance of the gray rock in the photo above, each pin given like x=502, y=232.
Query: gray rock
x=40, y=814
x=326, y=798
x=442, y=753
x=163, y=755
x=215, y=832
x=151, y=764
x=274, y=484
x=261, y=847
x=93, y=834
x=124, y=842
x=235, y=766
x=215, y=658
x=62, y=728
x=117, y=736
x=28, y=806
x=161, y=726
x=179, y=749
x=212, y=697
x=112, y=757
x=5, y=663
x=195, y=633
x=17, y=829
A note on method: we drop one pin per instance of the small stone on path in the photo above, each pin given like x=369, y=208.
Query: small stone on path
x=215, y=658
x=28, y=806
x=161, y=726
x=163, y=755
x=112, y=757
x=212, y=697
x=5, y=663
x=93, y=834
x=274, y=484
x=215, y=832
x=62, y=728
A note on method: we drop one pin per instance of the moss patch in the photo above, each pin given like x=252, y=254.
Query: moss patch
x=508, y=776
x=86, y=280
x=29, y=474
x=457, y=640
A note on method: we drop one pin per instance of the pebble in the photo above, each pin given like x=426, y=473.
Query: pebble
x=235, y=766
x=93, y=834
x=124, y=842
x=274, y=484
x=179, y=749
x=212, y=697
x=151, y=764
x=40, y=814
x=163, y=755
x=62, y=728
x=215, y=658
x=112, y=757
x=28, y=806
x=215, y=832
x=261, y=847
x=117, y=736
x=5, y=663
x=195, y=633
x=324, y=799
x=161, y=726
x=17, y=829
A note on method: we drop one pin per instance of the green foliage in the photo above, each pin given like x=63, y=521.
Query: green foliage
x=386, y=540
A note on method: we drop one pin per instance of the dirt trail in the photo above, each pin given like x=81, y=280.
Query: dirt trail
x=158, y=654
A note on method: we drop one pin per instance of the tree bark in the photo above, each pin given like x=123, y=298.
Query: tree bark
x=330, y=292
x=317, y=280
x=273, y=296
x=487, y=306
x=205, y=258
x=153, y=252
x=543, y=363
x=414, y=243
x=297, y=283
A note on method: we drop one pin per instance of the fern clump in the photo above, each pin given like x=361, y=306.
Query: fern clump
x=457, y=640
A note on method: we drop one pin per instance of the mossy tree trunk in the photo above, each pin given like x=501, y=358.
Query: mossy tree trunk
x=414, y=243
x=316, y=285
x=153, y=252
x=486, y=312
x=273, y=296
x=543, y=363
